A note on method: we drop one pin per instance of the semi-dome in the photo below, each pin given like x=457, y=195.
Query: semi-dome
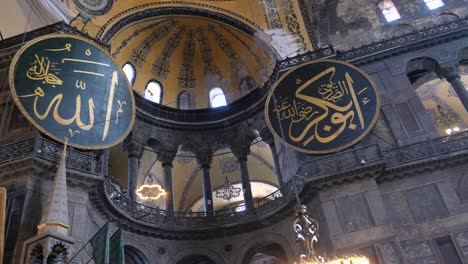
x=192, y=59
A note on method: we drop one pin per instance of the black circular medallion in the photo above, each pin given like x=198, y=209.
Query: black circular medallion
x=323, y=106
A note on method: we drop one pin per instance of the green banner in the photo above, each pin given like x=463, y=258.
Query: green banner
x=322, y=106
x=116, y=244
x=72, y=90
x=100, y=243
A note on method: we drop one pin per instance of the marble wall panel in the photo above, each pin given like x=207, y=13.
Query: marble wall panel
x=418, y=252
x=461, y=239
x=354, y=212
x=389, y=253
x=426, y=203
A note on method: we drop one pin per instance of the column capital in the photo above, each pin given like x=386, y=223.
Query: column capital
x=204, y=158
x=133, y=148
x=166, y=157
x=241, y=151
x=267, y=137
x=449, y=70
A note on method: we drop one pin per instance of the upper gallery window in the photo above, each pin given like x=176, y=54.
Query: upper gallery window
x=184, y=102
x=217, y=97
x=153, y=92
x=434, y=4
x=389, y=10
x=130, y=72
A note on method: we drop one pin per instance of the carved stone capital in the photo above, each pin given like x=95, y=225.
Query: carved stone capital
x=449, y=71
x=241, y=151
x=267, y=137
x=204, y=158
x=133, y=148
x=166, y=157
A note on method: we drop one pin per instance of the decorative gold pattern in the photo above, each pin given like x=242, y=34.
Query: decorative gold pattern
x=160, y=67
x=139, y=55
x=186, y=78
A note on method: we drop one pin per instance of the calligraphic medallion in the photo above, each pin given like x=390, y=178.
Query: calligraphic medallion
x=72, y=90
x=322, y=107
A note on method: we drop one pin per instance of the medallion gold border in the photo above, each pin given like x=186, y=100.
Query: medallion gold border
x=359, y=138
x=23, y=111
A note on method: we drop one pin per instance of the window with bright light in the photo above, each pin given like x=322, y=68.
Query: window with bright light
x=130, y=72
x=184, y=102
x=389, y=10
x=434, y=4
x=217, y=97
x=153, y=92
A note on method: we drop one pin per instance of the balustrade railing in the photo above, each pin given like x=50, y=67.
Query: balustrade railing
x=316, y=169
x=41, y=148
x=340, y=162
x=426, y=149
x=160, y=217
x=407, y=40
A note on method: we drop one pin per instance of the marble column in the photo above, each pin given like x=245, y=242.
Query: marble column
x=204, y=159
x=166, y=159
x=241, y=155
x=134, y=150
x=451, y=73
x=268, y=138
x=207, y=192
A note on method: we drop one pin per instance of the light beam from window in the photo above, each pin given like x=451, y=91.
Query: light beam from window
x=130, y=72
x=434, y=4
x=389, y=10
x=217, y=98
x=153, y=92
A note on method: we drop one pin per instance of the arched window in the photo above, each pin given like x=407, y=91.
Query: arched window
x=153, y=92
x=130, y=72
x=434, y=4
x=184, y=102
x=217, y=97
x=134, y=256
x=389, y=10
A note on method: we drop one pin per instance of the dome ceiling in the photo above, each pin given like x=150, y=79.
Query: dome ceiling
x=193, y=54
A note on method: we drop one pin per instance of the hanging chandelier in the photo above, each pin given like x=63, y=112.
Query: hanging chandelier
x=150, y=190
x=306, y=229
x=228, y=191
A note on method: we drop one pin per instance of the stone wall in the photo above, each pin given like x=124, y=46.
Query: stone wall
x=352, y=23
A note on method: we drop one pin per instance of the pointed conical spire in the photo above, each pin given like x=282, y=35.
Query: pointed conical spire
x=55, y=215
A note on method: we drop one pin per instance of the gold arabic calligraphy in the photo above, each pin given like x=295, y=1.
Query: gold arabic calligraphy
x=40, y=71
x=322, y=119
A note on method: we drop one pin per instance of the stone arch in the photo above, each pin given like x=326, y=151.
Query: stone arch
x=196, y=259
x=151, y=248
x=403, y=29
x=445, y=17
x=268, y=252
x=421, y=67
x=134, y=256
x=196, y=253
x=265, y=243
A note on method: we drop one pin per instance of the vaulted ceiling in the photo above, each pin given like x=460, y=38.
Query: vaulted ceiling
x=194, y=46
x=193, y=54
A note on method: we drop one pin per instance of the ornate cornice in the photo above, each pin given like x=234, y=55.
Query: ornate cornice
x=46, y=153
x=112, y=27
x=154, y=222
x=406, y=43
x=338, y=169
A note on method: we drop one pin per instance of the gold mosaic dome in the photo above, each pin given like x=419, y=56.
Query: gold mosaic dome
x=194, y=55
